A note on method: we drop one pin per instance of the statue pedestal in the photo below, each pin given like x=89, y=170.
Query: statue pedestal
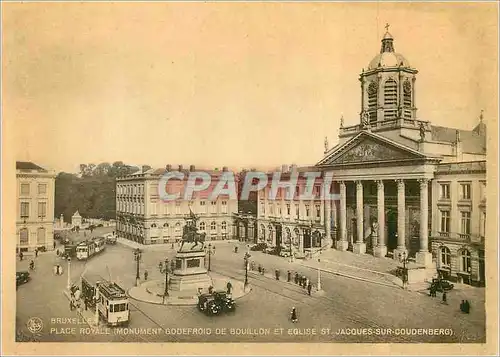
x=190, y=272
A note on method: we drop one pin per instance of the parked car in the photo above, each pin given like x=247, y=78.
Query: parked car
x=285, y=253
x=22, y=277
x=259, y=247
x=441, y=285
x=299, y=255
x=269, y=250
x=110, y=238
x=215, y=303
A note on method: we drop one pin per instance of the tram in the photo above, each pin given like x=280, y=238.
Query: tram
x=111, y=299
x=89, y=248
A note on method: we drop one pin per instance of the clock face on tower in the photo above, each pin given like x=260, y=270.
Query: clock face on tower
x=372, y=88
x=407, y=87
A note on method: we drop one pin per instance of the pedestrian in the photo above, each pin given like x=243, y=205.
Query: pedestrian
x=293, y=316
x=210, y=289
x=55, y=245
x=36, y=252
x=259, y=269
x=309, y=288
x=145, y=275
x=21, y=255
x=289, y=276
x=263, y=270
x=85, y=304
x=229, y=287
x=70, y=304
x=296, y=278
x=466, y=306
x=172, y=245
x=303, y=282
x=57, y=252
x=59, y=269
x=277, y=274
x=160, y=266
x=462, y=306
x=56, y=271
x=444, y=301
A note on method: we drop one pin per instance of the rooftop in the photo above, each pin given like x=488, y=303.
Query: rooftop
x=27, y=165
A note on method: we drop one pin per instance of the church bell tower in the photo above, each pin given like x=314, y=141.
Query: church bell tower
x=387, y=86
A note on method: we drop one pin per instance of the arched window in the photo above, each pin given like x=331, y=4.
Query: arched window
x=407, y=93
x=202, y=226
x=213, y=226
x=445, y=256
x=40, y=235
x=165, y=225
x=177, y=227
x=224, y=226
x=262, y=232
x=23, y=236
x=465, y=265
x=153, y=225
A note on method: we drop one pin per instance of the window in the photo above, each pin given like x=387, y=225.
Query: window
x=297, y=191
x=317, y=191
x=297, y=210
x=407, y=94
x=444, y=191
x=224, y=206
x=465, y=191
x=153, y=225
x=202, y=226
x=40, y=235
x=177, y=208
x=465, y=265
x=483, y=224
x=262, y=208
x=223, y=226
x=445, y=222
x=288, y=209
x=23, y=236
x=390, y=92
x=25, y=189
x=177, y=228
x=213, y=226
x=42, y=209
x=25, y=209
x=318, y=211
x=165, y=225
x=42, y=189
x=307, y=210
x=372, y=100
x=213, y=206
x=445, y=256
x=465, y=222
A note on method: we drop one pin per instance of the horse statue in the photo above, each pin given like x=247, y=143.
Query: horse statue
x=190, y=233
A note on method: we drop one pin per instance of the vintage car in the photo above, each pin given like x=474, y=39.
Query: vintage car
x=441, y=285
x=285, y=252
x=215, y=303
x=110, y=238
x=259, y=247
x=270, y=250
x=22, y=277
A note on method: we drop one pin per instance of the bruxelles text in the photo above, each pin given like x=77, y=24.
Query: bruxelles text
x=174, y=185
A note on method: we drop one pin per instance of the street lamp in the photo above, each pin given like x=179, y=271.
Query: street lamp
x=404, y=259
x=245, y=258
x=318, y=288
x=210, y=250
x=165, y=271
x=69, y=273
x=137, y=256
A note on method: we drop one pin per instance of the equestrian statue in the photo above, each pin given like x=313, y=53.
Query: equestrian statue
x=190, y=232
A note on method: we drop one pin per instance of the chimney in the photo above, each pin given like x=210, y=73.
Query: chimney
x=284, y=168
x=294, y=168
x=169, y=167
x=224, y=169
x=191, y=168
x=180, y=168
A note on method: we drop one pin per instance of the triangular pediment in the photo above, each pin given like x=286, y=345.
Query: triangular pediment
x=367, y=148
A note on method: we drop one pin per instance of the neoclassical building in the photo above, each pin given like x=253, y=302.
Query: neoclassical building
x=144, y=218
x=407, y=187
x=35, y=207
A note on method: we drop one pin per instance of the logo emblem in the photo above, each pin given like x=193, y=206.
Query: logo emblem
x=35, y=324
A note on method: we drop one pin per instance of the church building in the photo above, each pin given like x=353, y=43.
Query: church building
x=408, y=189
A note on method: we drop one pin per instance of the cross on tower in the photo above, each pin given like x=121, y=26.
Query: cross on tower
x=387, y=27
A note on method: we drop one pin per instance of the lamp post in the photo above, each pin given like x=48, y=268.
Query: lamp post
x=210, y=251
x=96, y=317
x=69, y=273
x=318, y=288
x=165, y=270
x=245, y=258
x=404, y=259
x=137, y=255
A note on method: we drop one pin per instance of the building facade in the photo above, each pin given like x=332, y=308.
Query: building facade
x=286, y=221
x=407, y=188
x=35, y=207
x=142, y=216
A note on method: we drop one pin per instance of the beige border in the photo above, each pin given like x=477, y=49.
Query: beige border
x=8, y=291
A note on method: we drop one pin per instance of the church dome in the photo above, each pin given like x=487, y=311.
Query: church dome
x=387, y=57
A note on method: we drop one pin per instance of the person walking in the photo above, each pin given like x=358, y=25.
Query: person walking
x=309, y=288
x=293, y=316
x=146, y=275
x=21, y=255
x=466, y=306
x=55, y=245
x=444, y=300
x=36, y=252
x=289, y=276
x=462, y=306
x=277, y=274
x=296, y=278
x=229, y=287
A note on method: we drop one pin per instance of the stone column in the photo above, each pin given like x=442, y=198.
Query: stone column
x=359, y=246
x=328, y=223
x=342, y=243
x=301, y=242
x=424, y=257
x=401, y=220
x=381, y=249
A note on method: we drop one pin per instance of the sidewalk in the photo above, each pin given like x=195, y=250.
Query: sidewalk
x=148, y=292
x=166, y=246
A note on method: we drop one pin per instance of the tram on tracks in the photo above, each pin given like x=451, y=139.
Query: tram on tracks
x=110, y=298
x=89, y=248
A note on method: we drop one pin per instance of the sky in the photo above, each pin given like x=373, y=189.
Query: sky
x=225, y=84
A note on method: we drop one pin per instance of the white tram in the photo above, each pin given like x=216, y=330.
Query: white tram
x=89, y=248
x=111, y=299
